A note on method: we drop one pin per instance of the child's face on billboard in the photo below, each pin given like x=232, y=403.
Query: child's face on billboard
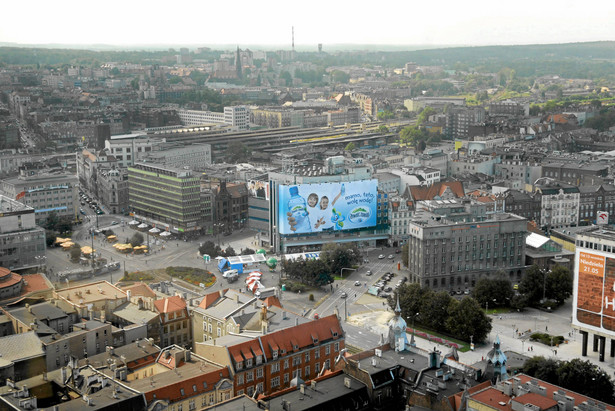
x=312, y=200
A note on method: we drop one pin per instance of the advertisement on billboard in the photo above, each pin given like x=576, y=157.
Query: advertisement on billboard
x=309, y=208
x=258, y=189
x=594, y=291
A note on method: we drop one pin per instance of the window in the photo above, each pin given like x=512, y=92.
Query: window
x=327, y=349
x=275, y=382
x=239, y=379
x=286, y=363
x=259, y=387
x=275, y=367
x=307, y=371
x=296, y=360
x=317, y=353
x=259, y=372
x=249, y=376
x=286, y=379
x=336, y=347
x=307, y=356
x=275, y=355
x=248, y=362
x=327, y=364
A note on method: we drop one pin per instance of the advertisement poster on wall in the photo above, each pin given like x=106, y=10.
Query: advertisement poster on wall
x=594, y=291
x=309, y=208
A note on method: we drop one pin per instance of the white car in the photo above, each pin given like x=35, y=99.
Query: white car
x=381, y=256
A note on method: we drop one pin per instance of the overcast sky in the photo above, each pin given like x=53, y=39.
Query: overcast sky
x=269, y=22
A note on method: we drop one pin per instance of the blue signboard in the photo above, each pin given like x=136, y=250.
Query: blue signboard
x=309, y=208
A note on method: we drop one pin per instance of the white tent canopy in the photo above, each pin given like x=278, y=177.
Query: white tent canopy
x=142, y=225
x=154, y=230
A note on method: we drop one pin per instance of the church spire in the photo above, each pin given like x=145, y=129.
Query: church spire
x=397, y=308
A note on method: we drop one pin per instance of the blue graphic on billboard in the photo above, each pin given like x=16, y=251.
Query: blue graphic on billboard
x=310, y=208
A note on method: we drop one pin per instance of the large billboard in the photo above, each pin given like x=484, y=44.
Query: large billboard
x=309, y=208
x=258, y=189
x=594, y=291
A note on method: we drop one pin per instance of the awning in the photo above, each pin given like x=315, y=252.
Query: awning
x=142, y=225
x=154, y=230
x=165, y=234
x=133, y=222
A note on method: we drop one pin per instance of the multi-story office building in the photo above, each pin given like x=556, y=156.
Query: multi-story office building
x=576, y=173
x=45, y=192
x=452, y=249
x=199, y=117
x=237, y=117
x=165, y=196
x=131, y=148
x=22, y=242
x=179, y=155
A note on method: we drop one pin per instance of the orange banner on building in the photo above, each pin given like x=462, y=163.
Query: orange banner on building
x=591, y=264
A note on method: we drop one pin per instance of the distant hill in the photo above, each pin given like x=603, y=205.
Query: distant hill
x=578, y=60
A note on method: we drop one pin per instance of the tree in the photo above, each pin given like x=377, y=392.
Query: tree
x=413, y=299
x=532, y=285
x=410, y=135
x=339, y=76
x=421, y=146
x=237, y=152
x=247, y=251
x=559, y=284
x=136, y=239
x=576, y=375
x=229, y=252
x=534, y=109
x=543, y=368
x=585, y=378
x=210, y=249
x=424, y=114
x=350, y=147
x=338, y=256
x=437, y=311
x=382, y=129
x=404, y=254
x=467, y=318
x=385, y=115
x=286, y=76
x=489, y=289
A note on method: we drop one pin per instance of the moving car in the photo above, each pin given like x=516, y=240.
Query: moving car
x=369, y=272
x=381, y=256
x=390, y=256
x=357, y=283
x=344, y=295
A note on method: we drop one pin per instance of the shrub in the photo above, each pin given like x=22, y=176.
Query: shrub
x=546, y=338
x=311, y=297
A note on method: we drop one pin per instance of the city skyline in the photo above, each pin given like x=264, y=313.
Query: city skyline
x=138, y=24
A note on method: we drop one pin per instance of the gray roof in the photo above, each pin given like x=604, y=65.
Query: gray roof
x=20, y=347
x=130, y=312
x=42, y=313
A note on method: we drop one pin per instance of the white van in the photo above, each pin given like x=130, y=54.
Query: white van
x=230, y=273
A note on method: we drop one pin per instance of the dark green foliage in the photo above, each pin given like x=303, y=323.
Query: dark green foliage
x=488, y=289
x=136, y=239
x=575, y=375
x=442, y=313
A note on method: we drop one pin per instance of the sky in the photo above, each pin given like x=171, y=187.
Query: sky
x=269, y=22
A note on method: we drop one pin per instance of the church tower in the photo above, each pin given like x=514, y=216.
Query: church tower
x=398, y=338
x=497, y=359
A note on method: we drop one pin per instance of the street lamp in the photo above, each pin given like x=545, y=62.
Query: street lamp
x=412, y=343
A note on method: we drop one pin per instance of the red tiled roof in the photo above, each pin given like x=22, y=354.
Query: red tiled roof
x=211, y=298
x=578, y=398
x=35, y=282
x=140, y=289
x=437, y=189
x=172, y=392
x=171, y=304
x=536, y=399
x=492, y=398
x=302, y=334
x=10, y=280
x=273, y=300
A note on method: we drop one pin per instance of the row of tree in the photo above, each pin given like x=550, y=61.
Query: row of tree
x=442, y=313
x=333, y=257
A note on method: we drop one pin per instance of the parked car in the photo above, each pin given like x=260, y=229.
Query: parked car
x=388, y=289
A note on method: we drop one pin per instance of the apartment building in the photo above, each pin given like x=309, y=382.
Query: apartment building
x=268, y=363
x=559, y=204
x=175, y=327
